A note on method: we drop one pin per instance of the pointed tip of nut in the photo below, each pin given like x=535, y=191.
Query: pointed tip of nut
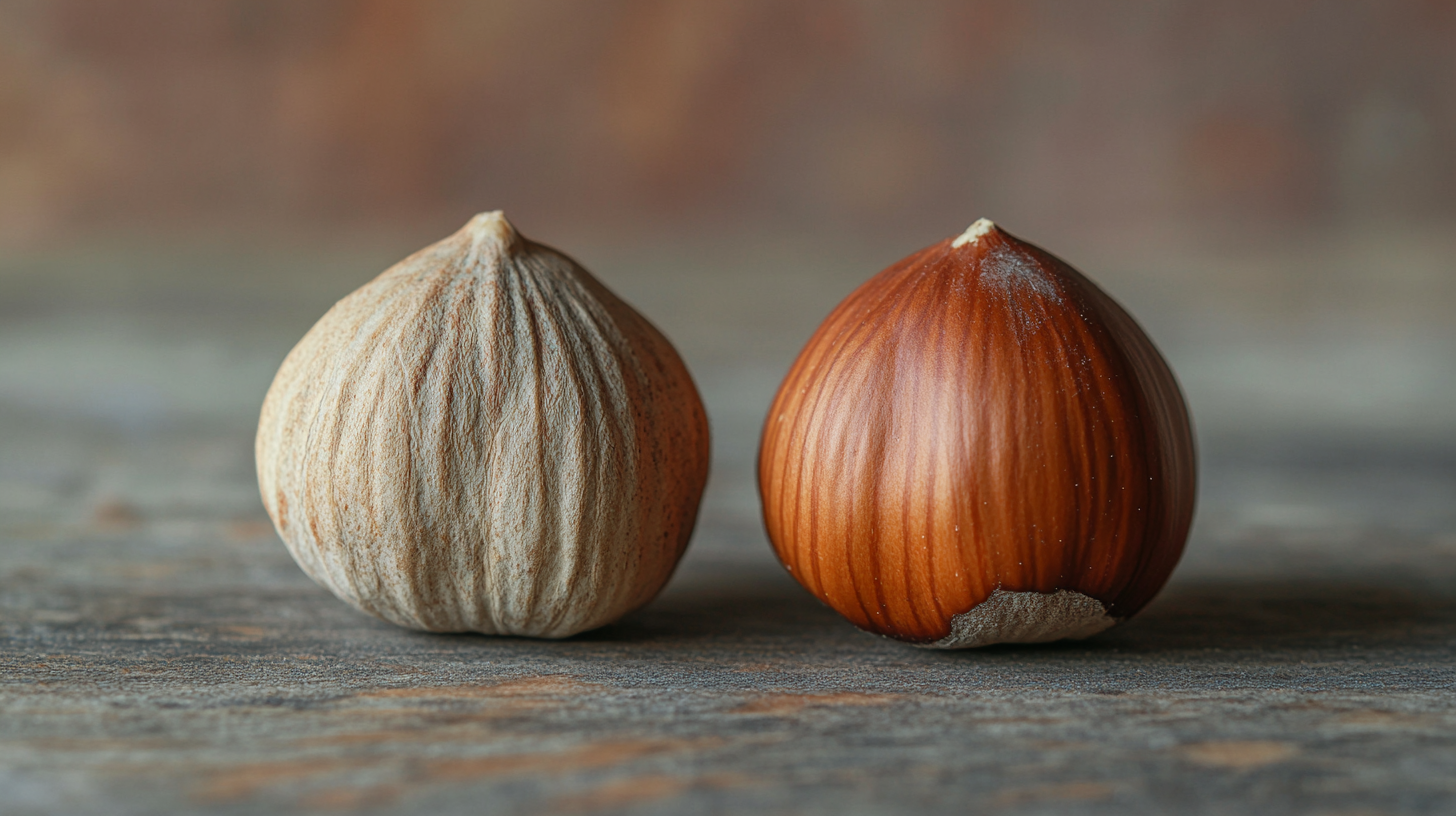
x=492, y=228
x=973, y=232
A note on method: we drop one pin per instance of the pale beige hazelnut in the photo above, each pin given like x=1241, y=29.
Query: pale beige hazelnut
x=484, y=438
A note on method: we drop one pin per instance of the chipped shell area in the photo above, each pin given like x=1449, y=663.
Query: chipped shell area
x=1026, y=617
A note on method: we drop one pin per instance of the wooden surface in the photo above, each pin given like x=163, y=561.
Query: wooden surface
x=160, y=652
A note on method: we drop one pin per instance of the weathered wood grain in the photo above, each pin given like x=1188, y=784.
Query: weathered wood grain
x=161, y=652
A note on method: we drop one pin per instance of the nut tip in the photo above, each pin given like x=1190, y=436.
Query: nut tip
x=492, y=228
x=973, y=232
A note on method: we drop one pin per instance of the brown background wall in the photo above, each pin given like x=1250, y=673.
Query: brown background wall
x=870, y=116
x=186, y=186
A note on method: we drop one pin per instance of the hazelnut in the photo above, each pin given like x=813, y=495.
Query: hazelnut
x=484, y=438
x=979, y=446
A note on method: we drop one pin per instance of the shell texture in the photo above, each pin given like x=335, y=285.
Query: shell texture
x=484, y=438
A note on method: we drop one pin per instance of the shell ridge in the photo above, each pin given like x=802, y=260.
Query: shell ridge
x=637, y=373
x=497, y=337
x=943, y=300
x=818, y=437
x=577, y=490
x=524, y=479
x=910, y=429
x=620, y=427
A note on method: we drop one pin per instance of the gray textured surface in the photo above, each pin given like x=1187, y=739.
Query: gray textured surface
x=159, y=652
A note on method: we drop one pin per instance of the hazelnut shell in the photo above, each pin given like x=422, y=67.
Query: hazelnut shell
x=978, y=446
x=484, y=438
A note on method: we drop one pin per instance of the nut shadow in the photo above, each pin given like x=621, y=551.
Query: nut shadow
x=763, y=606
x=768, y=610
x=1289, y=613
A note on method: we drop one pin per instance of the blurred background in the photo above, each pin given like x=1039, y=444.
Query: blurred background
x=837, y=116
x=1269, y=186
x=187, y=185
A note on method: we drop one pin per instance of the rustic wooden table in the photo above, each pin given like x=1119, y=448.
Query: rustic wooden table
x=159, y=651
